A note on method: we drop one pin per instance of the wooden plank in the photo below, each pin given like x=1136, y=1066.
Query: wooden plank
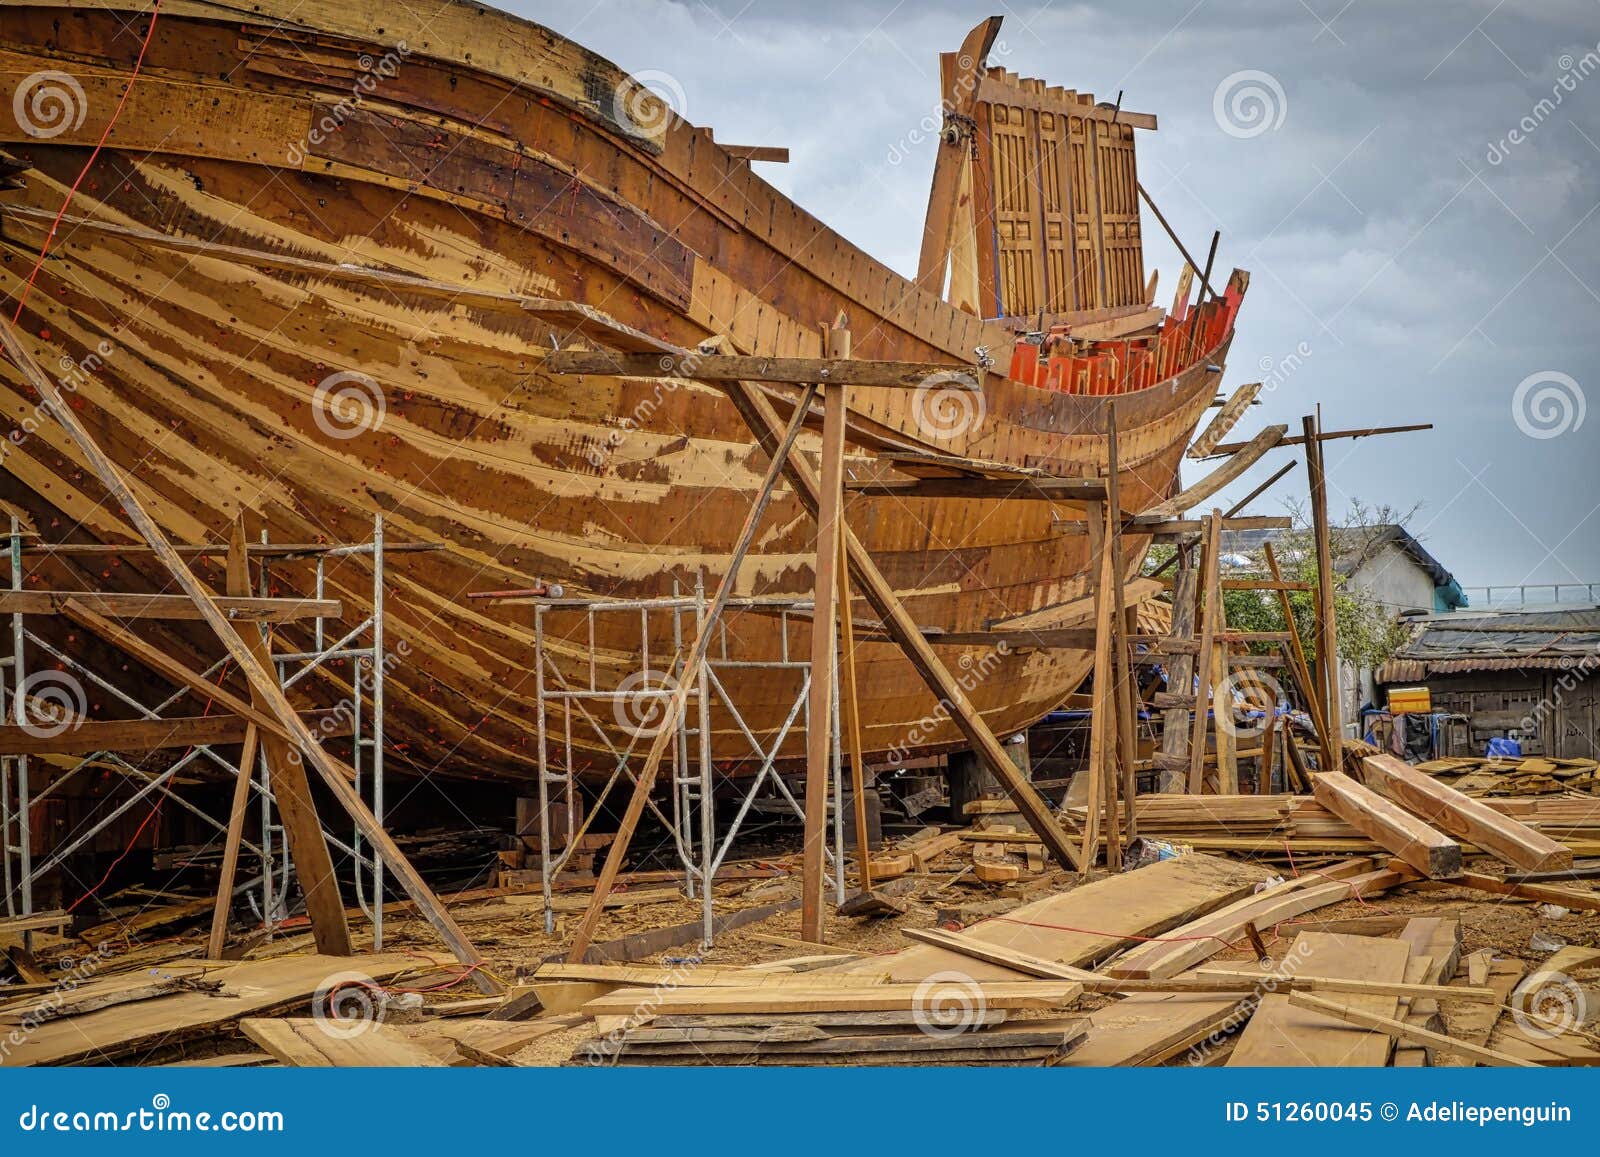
x=1201, y=939
x=249, y=988
x=305, y=1043
x=1461, y=815
x=125, y=735
x=1034, y=994
x=1155, y=1027
x=1230, y=471
x=1284, y=1031
x=1211, y=555
x=1400, y=1030
x=1069, y=490
x=698, y=976
x=1225, y=420
x=729, y=368
x=168, y=607
x=37, y=922
x=1023, y=962
x=1430, y=852
x=1090, y=923
x=1327, y=623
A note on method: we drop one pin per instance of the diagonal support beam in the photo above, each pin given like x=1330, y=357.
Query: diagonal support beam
x=334, y=774
x=762, y=418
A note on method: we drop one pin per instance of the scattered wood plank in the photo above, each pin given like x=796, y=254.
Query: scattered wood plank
x=1400, y=1030
x=1091, y=922
x=1202, y=939
x=1026, y=964
x=307, y=1043
x=869, y=998
x=1284, y=1031
x=249, y=988
x=1430, y=852
x=699, y=976
x=1155, y=1027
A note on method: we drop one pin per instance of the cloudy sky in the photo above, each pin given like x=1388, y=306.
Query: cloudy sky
x=1419, y=226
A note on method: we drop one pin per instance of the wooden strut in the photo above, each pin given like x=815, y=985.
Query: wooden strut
x=850, y=708
x=824, y=644
x=1210, y=561
x=1327, y=621
x=762, y=418
x=689, y=678
x=333, y=773
x=1123, y=782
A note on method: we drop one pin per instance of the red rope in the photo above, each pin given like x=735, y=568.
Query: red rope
x=44, y=249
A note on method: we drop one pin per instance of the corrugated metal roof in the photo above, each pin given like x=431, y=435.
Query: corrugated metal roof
x=1507, y=640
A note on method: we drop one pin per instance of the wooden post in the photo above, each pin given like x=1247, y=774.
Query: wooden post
x=1327, y=620
x=617, y=853
x=824, y=638
x=1103, y=723
x=313, y=863
x=333, y=773
x=851, y=714
x=1180, y=672
x=230, y=847
x=1211, y=550
x=1222, y=694
x=762, y=419
x=1125, y=701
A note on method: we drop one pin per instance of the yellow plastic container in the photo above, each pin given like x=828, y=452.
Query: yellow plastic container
x=1409, y=701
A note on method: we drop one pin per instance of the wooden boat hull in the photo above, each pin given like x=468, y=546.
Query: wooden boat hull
x=224, y=256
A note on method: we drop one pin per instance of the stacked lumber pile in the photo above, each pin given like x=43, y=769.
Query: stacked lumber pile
x=1529, y=775
x=809, y=1020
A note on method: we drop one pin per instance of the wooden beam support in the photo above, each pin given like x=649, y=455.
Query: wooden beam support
x=961, y=74
x=171, y=607
x=1211, y=551
x=334, y=774
x=824, y=644
x=1394, y=829
x=1247, y=456
x=1327, y=657
x=762, y=418
x=92, y=735
x=1328, y=436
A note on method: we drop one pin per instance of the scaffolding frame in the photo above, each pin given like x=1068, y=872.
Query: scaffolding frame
x=692, y=817
x=362, y=644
